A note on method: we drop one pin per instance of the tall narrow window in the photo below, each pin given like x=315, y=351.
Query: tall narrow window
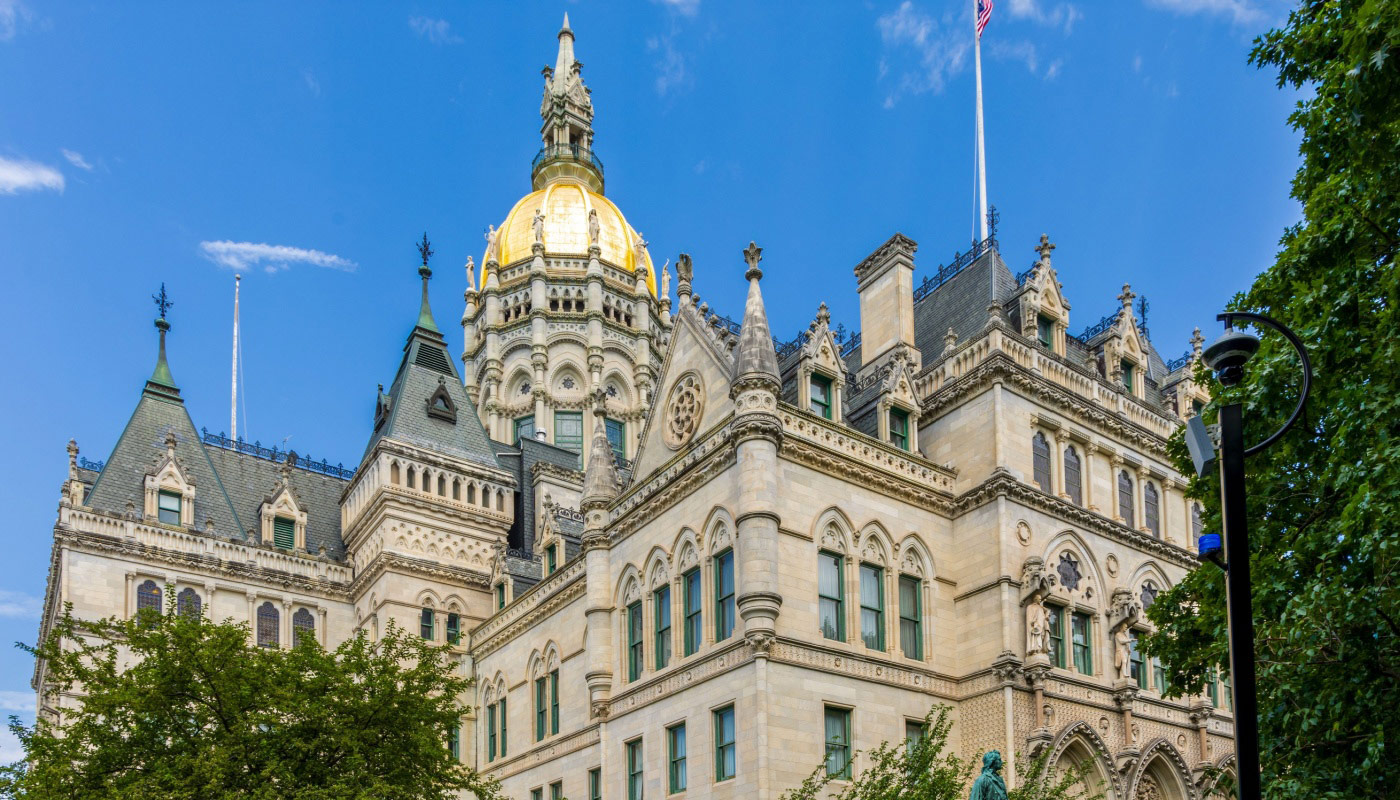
x=541, y=710
x=838, y=742
x=187, y=603
x=595, y=783
x=831, y=596
x=724, y=744
x=913, y=734
x=724, y=595
x=634, y=641
x=661, y=612
x=872, y=607
x=1125, y=498
x=899, y=428
x=454, y=628
x=148, y=597
x=1128, y=369
x=1045, y=331
x=1040, y=461
x=551, y=559
x=303, y=626
x=1080, y=632
x=1159, y=676
x=454, y=741
x=537, y=793
x=821, y=395
x=284, y=533
x=1074, y=476
x=1229, y=695
x=690, y=583
x=911, y=625
x=1196, y=523
x=524, y=428
x=425, y=624
x=269, y=620
x=168, y=507
x=554, y=701
x=501, y=715
x=1137, y=669
x=634, y=769
x=568, y=431
x=1212, y=691
x=556, y=790
x=1151, y=509
x=500, y=595
x=491, y=732
x=1057, y=635
x=675, y=758
x=616, y=430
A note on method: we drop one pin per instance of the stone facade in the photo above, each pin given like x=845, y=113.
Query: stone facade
x=964, y=504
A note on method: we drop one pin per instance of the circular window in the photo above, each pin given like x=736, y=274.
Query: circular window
x=683, y=411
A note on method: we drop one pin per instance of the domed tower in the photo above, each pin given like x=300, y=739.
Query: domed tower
x=567, y=302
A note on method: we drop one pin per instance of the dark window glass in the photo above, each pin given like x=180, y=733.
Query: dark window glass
x=1125, y=499
x=554, y=701
x=556, y=790
x=1040, y=461
x=634, y=641
x=1068, y=570
x=168, y=506
x=148, y=597
x=913, y=733
x=831, y=596
x=1151, y=509
x=1045, y=331
x=1074, y=481
x=425, y=624
x=1196, y=523
x=568, y=431
x=501, y=715
x=821, y=395
x=690, y=582
x=724, y=744
x=899, y=428
x=634, y=769
x=1080, y=632
x=269, y=620
x=872, y=607
x=188, y=603
x=1137, y=669
x=616, y=430
x=661, y=611
x=838, y=742
x=675, y=757
x=491, y=732
x=303, y=626
x=595, y=783
x=541, y=709
x=724, y=595
x=1128, y=376
x=911, y=626
x=454, y=628
x=524, y=428
x=1057, y=635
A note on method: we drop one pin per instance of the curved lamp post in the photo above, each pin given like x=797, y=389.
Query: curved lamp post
x=1227, y=357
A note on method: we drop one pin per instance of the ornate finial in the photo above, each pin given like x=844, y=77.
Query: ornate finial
x=425, y=249
x=950, y=340
x=163, y=302
x=1127, y=297
x=823, y=315
x=752, y=255
x=1142, y=314
x=170, y=442
x=600, y=401
x=1044, y=248
x=1196, y=341
x=992, y=219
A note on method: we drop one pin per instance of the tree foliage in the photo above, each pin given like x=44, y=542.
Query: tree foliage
x=174, y=706
x=923, y=771
x=1325, y=500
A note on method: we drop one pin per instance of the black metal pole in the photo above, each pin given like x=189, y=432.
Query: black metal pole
x=1237, y=600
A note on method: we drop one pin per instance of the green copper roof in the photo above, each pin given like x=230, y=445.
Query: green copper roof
x=161, y=375
x=425, y=312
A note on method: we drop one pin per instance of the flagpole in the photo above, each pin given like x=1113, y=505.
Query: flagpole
x=981, y=141
x=233, y=400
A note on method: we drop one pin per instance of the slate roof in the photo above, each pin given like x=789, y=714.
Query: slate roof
x=250, y=480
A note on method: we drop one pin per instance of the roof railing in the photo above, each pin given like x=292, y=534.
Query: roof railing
x=959, y=263
x=1177, y=363
x=275, y=455
x=565, y=152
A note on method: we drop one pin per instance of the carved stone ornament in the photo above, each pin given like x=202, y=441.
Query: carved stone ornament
x=683, y=411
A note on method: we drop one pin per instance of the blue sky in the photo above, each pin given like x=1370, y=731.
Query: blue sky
x=310, y=144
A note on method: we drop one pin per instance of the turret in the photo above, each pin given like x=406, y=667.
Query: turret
x=599, y=490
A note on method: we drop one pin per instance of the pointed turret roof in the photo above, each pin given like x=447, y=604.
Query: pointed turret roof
x=755, y=356
x=600, y=475
x=564, y=64
x=427, y=405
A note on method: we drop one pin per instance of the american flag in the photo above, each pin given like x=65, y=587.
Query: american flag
x=984, y=15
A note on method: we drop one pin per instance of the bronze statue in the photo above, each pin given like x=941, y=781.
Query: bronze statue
x=989, y=785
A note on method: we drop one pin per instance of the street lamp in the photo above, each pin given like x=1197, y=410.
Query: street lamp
x=1227, y=357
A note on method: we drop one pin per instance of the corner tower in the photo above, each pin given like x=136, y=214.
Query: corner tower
x=567, y=301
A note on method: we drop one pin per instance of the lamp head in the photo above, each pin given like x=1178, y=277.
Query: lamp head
x=1228, y=354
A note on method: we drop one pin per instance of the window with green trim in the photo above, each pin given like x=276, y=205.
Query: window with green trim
x=872, y=607
x=541, y=709
x=554, y=701
x=911, y=624
x=568, y=431
x=454, y=741
x=899, y=428
x=500, y=595
x=913, y=734
x=501, y=715
x=725, y=766
x=537, y=793
x=634, y=769
x=831, y=596
x=1137, y=668
x=1159, y=676
x=168, y=507
x=724, y=595
x=1057, y=635
x=661, y=612
x=551, y=558
x=425, y=624
x=1128, y=374
x=1212, y=690
x=837, y=728
x=690, y=585
x=491, y=732
x=556, y=790
x=524, y=428
x=1081, y=631
x=675, y=758
x=634, y=641
x=284, y=532
x=454, y=628
x=821, y=395
x=617, y=430
x=595, y=783
x=1045, y=331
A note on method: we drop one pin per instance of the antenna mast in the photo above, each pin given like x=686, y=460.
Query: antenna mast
x=233, y=400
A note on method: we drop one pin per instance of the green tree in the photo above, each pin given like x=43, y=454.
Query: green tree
x=174, y=706
x=1324, y=503
x=921, y=770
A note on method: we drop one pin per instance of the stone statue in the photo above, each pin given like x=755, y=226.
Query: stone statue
x=538, y=224
x=1122, y=652
x=593, y=226
x=665, y=280
x=492, y=243
x=989, y=785
x=640, y=246
x=1037, y=628
x=471, y=274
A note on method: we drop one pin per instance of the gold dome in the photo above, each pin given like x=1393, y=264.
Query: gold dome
x=566, y=205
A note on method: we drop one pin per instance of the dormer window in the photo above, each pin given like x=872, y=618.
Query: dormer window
x=1045, y=331
x=1128, y=374
x=899, y=428
x=168, y=508
x=551, y=558
x=284, y=532
x=821, y=395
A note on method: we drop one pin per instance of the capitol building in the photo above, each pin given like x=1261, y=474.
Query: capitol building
x=682, y=557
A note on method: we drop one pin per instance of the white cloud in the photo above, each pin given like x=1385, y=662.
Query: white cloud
x=1241, y=12
x=27, y=176
x=671, y=69
x=437, y=31
x=12, y=13
x=270, y=258
x=10, y=748
x=920, y=54
x=76, y=159
x=16, y=703
x=686, y=7
x=1053, y=71
x=1062, y=15
x=18, y=604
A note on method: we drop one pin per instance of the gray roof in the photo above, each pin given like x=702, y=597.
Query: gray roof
x=249, y=480
x=961, y=303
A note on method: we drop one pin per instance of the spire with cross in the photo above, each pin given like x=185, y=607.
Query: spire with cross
x=163, y=301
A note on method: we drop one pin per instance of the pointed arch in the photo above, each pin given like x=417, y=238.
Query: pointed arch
x=719, y=530
x=657, y=569
x=1079, y=742
x=915, y=558
x=1148, y=571
x=1068, y=540
x=629, y=586
x=875, y=544
x=832, y=530
x=686, y=550
x=1164, y=765
x=429, y=599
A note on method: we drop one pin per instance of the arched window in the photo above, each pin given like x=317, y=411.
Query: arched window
x=268, y=622
x=1068, y=570
x=456, y=489
x=442, y=486
x=148, y=597
x=1073, y=476
x=394, y=473
x=1151, y=509
x=187, y=603
x=1195, y=522
x=411, y=483
x=1040, y=459
x=303, y=624
x=1125, y=498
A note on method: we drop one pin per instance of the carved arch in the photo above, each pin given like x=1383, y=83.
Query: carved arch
x=629, y=586
x=1172, y=770
x=1083, y=733
x=832, y=531
x=915, y=559
x=657, y=569
x=719, y=530
x=429, y=599
x=1074, y=543
x=875, y=544
x=686, y=550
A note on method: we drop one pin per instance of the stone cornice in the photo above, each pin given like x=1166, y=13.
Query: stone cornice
x=436, y=459
x=554, y=470
x=802, y=654
x=397, y=562
x=544, y=598
x=1003, y=484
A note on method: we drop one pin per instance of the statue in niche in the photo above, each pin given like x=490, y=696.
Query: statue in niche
x=537, y=223
x=989, y=785
x=593, y=226
x=1122, y=652
x=1037, y=628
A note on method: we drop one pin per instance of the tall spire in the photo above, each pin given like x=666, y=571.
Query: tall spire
x=161, y=382
x=755, y=359
x=564, y=64
x=566, y=122
x=425, y=313
x=600, y=476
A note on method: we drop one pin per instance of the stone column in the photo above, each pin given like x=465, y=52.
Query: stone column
x=1090, y=449
x=1058, y=472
